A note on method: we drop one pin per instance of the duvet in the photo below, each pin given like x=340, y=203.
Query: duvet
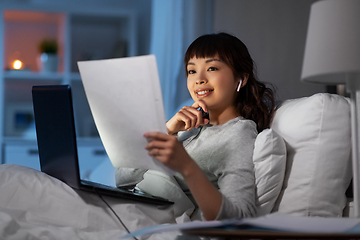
x=34, y=205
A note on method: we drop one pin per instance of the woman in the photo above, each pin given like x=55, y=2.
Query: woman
x=212, y=157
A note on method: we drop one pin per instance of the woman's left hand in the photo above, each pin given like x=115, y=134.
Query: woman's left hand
x=168, y=150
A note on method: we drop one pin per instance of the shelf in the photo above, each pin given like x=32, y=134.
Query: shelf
x=109, y=38
x=83, y=141
x=23, y=32
x=18, y=84
x=19, y=141
x=28, y=75
x=86, y=34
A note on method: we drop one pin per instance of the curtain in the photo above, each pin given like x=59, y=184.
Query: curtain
x=175, y=24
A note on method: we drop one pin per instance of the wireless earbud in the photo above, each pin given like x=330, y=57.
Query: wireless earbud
x=239, y=86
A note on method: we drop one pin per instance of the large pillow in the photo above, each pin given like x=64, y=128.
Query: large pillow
x=269, y=162
x=317, y=134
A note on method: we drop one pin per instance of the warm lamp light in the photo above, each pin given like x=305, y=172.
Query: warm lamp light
x=17, y=64
x=332, y=56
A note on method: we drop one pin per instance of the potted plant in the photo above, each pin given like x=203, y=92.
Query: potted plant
x=49, y=59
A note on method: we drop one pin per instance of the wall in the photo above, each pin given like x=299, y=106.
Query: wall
x=275, y=33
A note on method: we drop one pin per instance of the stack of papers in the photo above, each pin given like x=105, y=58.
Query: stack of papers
x=273, y=222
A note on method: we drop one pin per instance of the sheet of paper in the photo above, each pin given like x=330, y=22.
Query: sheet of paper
x=272, y=222
x=125, y=99
x=289, y=223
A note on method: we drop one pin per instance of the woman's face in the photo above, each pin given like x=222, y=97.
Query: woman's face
x=213, y=82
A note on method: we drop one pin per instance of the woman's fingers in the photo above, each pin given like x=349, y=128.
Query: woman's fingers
x=200, y=104
x=194, y=114
x=167, y=149
x=190, y=117
x=160, y=144
x=187, y=118
x=157, y=140
x=156, y=135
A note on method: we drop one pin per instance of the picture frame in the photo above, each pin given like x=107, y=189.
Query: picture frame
x=19, y=120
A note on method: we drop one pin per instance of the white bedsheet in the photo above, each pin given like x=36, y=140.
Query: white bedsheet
x=34, y=205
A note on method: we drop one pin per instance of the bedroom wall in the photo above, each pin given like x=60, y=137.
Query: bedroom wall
x=275, y=33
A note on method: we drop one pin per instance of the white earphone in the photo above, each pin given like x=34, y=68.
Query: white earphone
x=239, y=86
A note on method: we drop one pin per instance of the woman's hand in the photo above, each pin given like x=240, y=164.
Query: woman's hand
x=168, y=150
x=187, y=118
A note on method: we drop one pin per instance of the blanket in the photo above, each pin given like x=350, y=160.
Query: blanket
x=34, y=205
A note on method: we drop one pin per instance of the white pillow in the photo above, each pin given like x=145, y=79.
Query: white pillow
x=269, y=162
x=317, y=134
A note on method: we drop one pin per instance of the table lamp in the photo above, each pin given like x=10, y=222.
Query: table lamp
x=332, y=56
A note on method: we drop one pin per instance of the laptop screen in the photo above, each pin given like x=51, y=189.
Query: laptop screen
x=55, y=130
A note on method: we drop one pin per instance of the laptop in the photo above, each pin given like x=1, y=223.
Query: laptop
x=56, y=139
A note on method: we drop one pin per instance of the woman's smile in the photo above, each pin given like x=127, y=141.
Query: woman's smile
x=201, y=93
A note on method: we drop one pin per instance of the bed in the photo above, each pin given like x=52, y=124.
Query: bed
x=302, y=167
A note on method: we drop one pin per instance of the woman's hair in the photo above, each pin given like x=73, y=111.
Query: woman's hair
x=255, y=101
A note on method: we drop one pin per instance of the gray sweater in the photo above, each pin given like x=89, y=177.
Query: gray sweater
x=224, y=153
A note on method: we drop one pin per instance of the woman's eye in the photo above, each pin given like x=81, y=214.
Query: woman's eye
x=191, y=71
x=212, y=69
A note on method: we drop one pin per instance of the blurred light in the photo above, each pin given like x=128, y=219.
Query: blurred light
x=17, y=64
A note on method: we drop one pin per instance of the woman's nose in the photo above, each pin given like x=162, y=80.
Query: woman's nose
x=200, y=81
x=201, y=78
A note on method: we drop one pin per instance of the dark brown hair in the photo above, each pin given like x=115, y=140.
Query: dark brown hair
x=255, y=101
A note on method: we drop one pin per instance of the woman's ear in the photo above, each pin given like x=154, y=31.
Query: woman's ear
x=244, y=79
x=242, y=82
